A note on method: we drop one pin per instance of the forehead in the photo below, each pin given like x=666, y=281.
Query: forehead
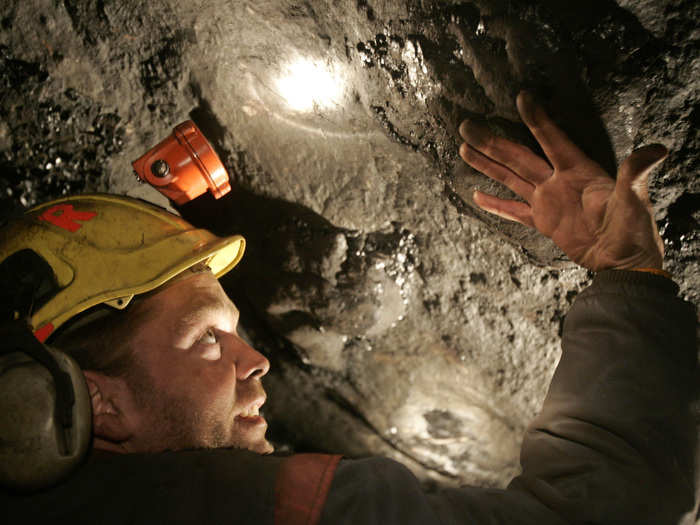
x=185, y=298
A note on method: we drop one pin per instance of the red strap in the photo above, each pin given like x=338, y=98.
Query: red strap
x=302, y=486
x=43, y=333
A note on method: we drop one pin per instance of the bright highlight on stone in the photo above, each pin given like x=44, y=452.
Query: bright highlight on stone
x=307, y=85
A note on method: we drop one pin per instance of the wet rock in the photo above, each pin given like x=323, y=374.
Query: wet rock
x=53, y=147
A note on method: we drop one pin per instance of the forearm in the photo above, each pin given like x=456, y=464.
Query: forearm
x=614, y=441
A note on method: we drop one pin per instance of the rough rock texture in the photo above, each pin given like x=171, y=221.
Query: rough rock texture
x=399, y=319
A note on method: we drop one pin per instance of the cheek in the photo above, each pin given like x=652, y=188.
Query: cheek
x=195, y=378
x=211, y=381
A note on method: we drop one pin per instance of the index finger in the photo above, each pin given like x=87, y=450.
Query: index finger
x=560, y=151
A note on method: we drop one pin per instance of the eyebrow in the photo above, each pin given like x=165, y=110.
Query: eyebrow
x=199, y=311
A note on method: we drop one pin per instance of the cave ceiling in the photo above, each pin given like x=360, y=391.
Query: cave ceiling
x=399, y=319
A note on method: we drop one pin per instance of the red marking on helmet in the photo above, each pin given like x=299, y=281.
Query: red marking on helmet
x=66, y=217
x=43, y=333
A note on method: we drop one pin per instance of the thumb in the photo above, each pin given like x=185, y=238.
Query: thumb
x=634, y=171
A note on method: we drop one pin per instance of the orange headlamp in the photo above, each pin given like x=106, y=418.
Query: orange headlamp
x=183, y=166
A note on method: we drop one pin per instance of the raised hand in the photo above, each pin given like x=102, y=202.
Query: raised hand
x=599, y=222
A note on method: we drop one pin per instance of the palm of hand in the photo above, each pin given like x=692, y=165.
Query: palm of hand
x=598, y=222
x=571, y=212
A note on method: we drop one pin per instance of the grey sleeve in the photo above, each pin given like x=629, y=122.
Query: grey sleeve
x=614, y=442
x=376, y=491
x=380, y=491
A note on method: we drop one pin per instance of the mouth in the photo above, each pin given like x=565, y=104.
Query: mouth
x=251, y=413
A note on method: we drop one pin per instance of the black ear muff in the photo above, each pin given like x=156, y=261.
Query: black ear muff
x=45, y=413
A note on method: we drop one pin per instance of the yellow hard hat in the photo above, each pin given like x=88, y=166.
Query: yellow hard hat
x=104, y=249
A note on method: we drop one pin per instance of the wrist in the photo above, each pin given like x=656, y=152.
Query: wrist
x=650, y=262
x=655, y=271
x=636, y=277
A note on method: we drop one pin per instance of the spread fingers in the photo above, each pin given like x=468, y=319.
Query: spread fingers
x=560, y=151
x=516, y=157
x=496, y=171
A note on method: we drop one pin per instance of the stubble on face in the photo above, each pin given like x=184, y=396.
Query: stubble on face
x=173, y=423
x=185, y=418
x=176, y=423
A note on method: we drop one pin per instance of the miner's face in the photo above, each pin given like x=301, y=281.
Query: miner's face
x=195, y=382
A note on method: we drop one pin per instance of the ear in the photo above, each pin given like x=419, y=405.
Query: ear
x=109, y=397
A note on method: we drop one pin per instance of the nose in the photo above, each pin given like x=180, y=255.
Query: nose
x=249, y=362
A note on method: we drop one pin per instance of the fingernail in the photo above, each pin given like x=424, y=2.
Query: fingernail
x=528, y=107
x=662, y=151
x=463, y=128
x=475, y=133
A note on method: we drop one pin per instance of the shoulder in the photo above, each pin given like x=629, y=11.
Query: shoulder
x=194, y=486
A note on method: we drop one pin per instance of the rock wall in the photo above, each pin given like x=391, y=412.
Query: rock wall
x=399, y=319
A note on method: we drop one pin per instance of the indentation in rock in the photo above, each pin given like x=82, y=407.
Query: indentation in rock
x=442, y=424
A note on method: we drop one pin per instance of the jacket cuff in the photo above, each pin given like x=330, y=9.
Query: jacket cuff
x=658, y=282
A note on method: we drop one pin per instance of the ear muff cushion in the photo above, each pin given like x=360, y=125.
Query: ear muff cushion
x=36, y=451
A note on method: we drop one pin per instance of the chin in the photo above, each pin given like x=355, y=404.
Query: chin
x=263, y=447
x=250, y=435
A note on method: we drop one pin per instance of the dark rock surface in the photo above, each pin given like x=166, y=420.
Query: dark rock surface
x=399, y=319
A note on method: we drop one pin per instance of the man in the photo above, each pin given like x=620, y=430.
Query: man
x=613, y=444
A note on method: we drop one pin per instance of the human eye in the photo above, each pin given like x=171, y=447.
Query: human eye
x=208, y=347
x=208, y=338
